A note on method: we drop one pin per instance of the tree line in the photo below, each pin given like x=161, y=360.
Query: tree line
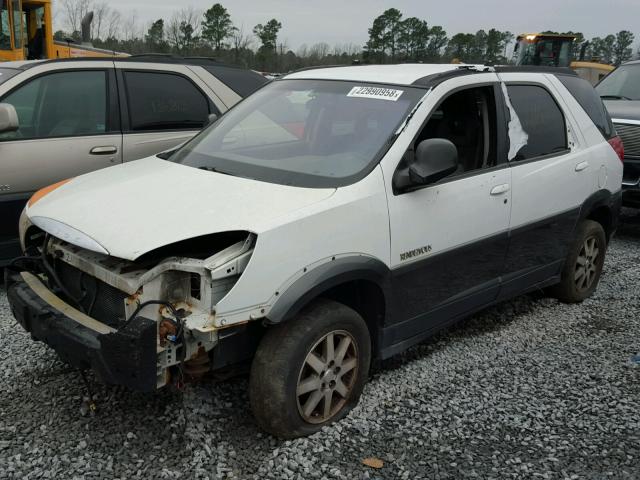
x=392, y=39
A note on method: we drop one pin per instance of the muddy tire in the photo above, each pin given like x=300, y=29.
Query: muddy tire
x=310, y=371
x=582, y=269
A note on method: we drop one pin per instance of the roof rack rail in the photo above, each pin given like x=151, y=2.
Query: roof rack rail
x=154, y=55
x=208, y=59
x=177, y=59
x=318, y=67
x=170, y=57
x=435, y=79
x=535, y=69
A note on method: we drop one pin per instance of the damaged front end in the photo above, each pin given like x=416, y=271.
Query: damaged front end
x=139, y=323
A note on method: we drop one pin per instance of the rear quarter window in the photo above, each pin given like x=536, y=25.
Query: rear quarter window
x=591, y=103
x=243, y=82
x=541, y=119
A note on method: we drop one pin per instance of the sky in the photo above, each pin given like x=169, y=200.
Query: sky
x=347, y=21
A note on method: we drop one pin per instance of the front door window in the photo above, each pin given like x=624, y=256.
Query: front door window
x=63, y=104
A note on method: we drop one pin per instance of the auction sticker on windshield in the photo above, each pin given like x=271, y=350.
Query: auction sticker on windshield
x=376, y=92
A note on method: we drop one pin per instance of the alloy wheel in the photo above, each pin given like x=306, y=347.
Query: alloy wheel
x=587, y=264
x=327, y=377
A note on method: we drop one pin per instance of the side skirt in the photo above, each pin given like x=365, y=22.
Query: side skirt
x=390, y=350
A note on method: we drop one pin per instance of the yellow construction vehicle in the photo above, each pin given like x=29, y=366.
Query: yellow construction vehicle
x=26, y=33
x=556, y=50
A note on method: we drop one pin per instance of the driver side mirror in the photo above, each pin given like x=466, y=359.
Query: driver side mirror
x=8, y=118
x=435, y=159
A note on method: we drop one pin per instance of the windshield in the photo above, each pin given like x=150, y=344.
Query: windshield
x=550, y=52
x=307, y=133
x=6, y=74
x=623, y=83
x=5, y=32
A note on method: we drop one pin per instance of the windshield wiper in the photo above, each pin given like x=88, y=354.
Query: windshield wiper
x=214, y=170
x=167, y=154
x=615, y=97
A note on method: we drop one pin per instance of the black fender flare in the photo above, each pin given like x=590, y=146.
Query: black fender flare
x=315, y=281
x=603, y=198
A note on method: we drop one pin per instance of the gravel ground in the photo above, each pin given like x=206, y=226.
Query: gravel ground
x=529, y=389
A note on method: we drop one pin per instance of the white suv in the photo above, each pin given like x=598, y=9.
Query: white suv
x=335, y=217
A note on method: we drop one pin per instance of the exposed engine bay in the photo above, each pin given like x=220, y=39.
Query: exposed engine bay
x=175, y=295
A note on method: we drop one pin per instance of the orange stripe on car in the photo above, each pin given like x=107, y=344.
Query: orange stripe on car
x=45, y=191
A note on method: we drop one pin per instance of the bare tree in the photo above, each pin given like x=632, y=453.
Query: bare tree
x=241, y=40
x=101, y=13
x=303, y=51
x=319, y=50
x=113, y=22
x=74, y=12
x=131, y=27
x=352, y=49
x=184, y=28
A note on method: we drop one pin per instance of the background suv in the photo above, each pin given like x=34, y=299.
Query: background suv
x=621, y=94
x=75, y=116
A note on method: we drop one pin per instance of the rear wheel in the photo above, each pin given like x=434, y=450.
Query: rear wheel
x=582, y=269
x=310, y=371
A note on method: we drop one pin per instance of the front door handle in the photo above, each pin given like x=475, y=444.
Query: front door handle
x=582, y=166
x=106, y=150
x=500, y=189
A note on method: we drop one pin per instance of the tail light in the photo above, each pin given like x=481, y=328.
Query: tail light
x=618, y=147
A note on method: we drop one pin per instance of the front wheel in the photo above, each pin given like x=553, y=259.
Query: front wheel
x=584, y=263
x=310, y=371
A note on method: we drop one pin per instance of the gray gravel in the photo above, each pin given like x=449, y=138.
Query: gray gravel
x=529, y=389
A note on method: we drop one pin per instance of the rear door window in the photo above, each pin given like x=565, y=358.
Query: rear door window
x=165, y=101
x=243, y=82
x=589, y=100
x=62, y=104
x=6, y=74
x=541, y=119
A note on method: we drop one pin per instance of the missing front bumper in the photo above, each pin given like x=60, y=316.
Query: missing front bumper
x=126, y=357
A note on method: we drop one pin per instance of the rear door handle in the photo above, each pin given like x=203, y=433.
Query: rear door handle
x=500, y=189
x=106, y=150
x=582, y=166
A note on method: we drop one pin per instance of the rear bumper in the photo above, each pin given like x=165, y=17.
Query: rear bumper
x=631, y=183
x=126, y=357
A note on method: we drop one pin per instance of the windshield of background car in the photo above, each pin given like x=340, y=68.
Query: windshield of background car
x=622, y=83
x=307, y=133
x=6, y=74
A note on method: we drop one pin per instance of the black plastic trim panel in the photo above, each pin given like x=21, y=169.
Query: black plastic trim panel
x=323, y=277
x=127, y=357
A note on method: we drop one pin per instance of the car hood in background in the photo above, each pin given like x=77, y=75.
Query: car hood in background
x=134, y=208
x=623, y=109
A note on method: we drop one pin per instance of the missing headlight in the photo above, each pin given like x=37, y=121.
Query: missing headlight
x=195, y=281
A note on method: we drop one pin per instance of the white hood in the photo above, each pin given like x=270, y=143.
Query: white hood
x=134, y=208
